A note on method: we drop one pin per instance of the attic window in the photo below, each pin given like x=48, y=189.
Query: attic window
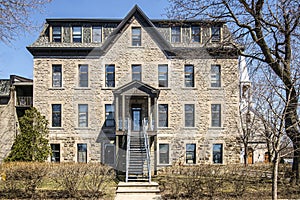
x=136, y=36
x=56, y=34
x=195, y=33
x=175, y=34
x=77, y=34
x=215, y=34
x=97, y=34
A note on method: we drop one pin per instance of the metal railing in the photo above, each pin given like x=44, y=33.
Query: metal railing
x=24, y=101
x=150, y=126
x=128, y=149
x=145, y=128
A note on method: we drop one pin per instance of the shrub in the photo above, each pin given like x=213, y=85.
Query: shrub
x=98, y=178
x=22, y=179
x=69, y=177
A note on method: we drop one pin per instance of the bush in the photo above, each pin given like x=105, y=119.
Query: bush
x=22, y=179
x=215, y=182
x=55, y=181
x=69, y=177
x=78, y=180
x=98, y=178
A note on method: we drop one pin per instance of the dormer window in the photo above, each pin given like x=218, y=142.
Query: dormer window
x=136, y=36
x=77, y=33
x=56, y=34
x=195, y=34
x=175, y=34
x=97, y=34
x=215, y=34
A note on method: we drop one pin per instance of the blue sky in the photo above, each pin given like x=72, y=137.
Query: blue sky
x=15, y=59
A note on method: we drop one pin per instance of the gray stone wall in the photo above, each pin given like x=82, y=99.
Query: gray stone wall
x=149, y=56
x=8, y=130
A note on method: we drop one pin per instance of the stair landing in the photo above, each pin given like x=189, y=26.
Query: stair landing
x=138, y=191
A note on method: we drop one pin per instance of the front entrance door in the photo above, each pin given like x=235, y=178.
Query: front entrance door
x=109, y=154
x=250, y=156
x=136, y=117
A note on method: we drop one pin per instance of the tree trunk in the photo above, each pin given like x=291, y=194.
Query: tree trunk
x=245, y=154
x=291, y=126
x=275, y=176
x=295, y=168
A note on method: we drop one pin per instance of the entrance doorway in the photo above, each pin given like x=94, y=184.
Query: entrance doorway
x=250, y=156
x=109, y=154
x=136, y=112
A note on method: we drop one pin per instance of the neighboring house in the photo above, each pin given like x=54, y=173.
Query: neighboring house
x=15, y=97
x=252, y=131
x=96, y=78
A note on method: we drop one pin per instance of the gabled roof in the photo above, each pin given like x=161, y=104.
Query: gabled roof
x=146, y=23
x=151, y=91
x=19, y=80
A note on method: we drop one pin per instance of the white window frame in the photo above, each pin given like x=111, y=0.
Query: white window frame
x=168, y=154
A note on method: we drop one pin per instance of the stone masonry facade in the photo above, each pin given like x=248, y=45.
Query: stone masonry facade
x=116, y=48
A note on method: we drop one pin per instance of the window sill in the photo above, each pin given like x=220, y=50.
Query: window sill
x=187, y=164
x=56, y=88
x=138, y=47
x=189, y=88
x=216, y=88
x=82, y=88
x=190, y=128
x=164, y=128
x=56, y=128
x=163, y=165
x=82, y=128
x=108, y=88
x=216, y=128
x=219, y=164
x=164, y=88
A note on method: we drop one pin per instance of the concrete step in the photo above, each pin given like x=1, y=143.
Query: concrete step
x=137, y=191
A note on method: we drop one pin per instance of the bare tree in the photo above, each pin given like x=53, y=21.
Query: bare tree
x=270, y=33
x=16, y=17
x=270, y=107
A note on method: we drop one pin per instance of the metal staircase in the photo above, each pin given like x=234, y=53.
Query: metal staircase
x=138, y=155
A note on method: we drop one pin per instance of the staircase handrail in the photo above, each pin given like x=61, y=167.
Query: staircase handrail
x=145, y=128
x=128, y=149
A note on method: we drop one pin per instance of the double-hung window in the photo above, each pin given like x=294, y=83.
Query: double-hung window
x=164, y=154
x=189, y=115
x=136, y=36
x=195, y=33
x=218, y=153
x=136, y=72
x=97, y=34
x=81, y=153
x=216, y=115
x=83, y=115
x=109, y=115
x=109, y=75
x=189, y=76
x=163, y=115
x=56, y=115
x=55, y=148
x=162, y=75
x=215, y=33
x=191, y=153
x=215, y=76
x=77, y=33
x=56, y=76
x=83, y=76
x=56, y=34
x=175, y=34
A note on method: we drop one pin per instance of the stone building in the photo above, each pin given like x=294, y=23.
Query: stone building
x=15, y=97
x=107, y=84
